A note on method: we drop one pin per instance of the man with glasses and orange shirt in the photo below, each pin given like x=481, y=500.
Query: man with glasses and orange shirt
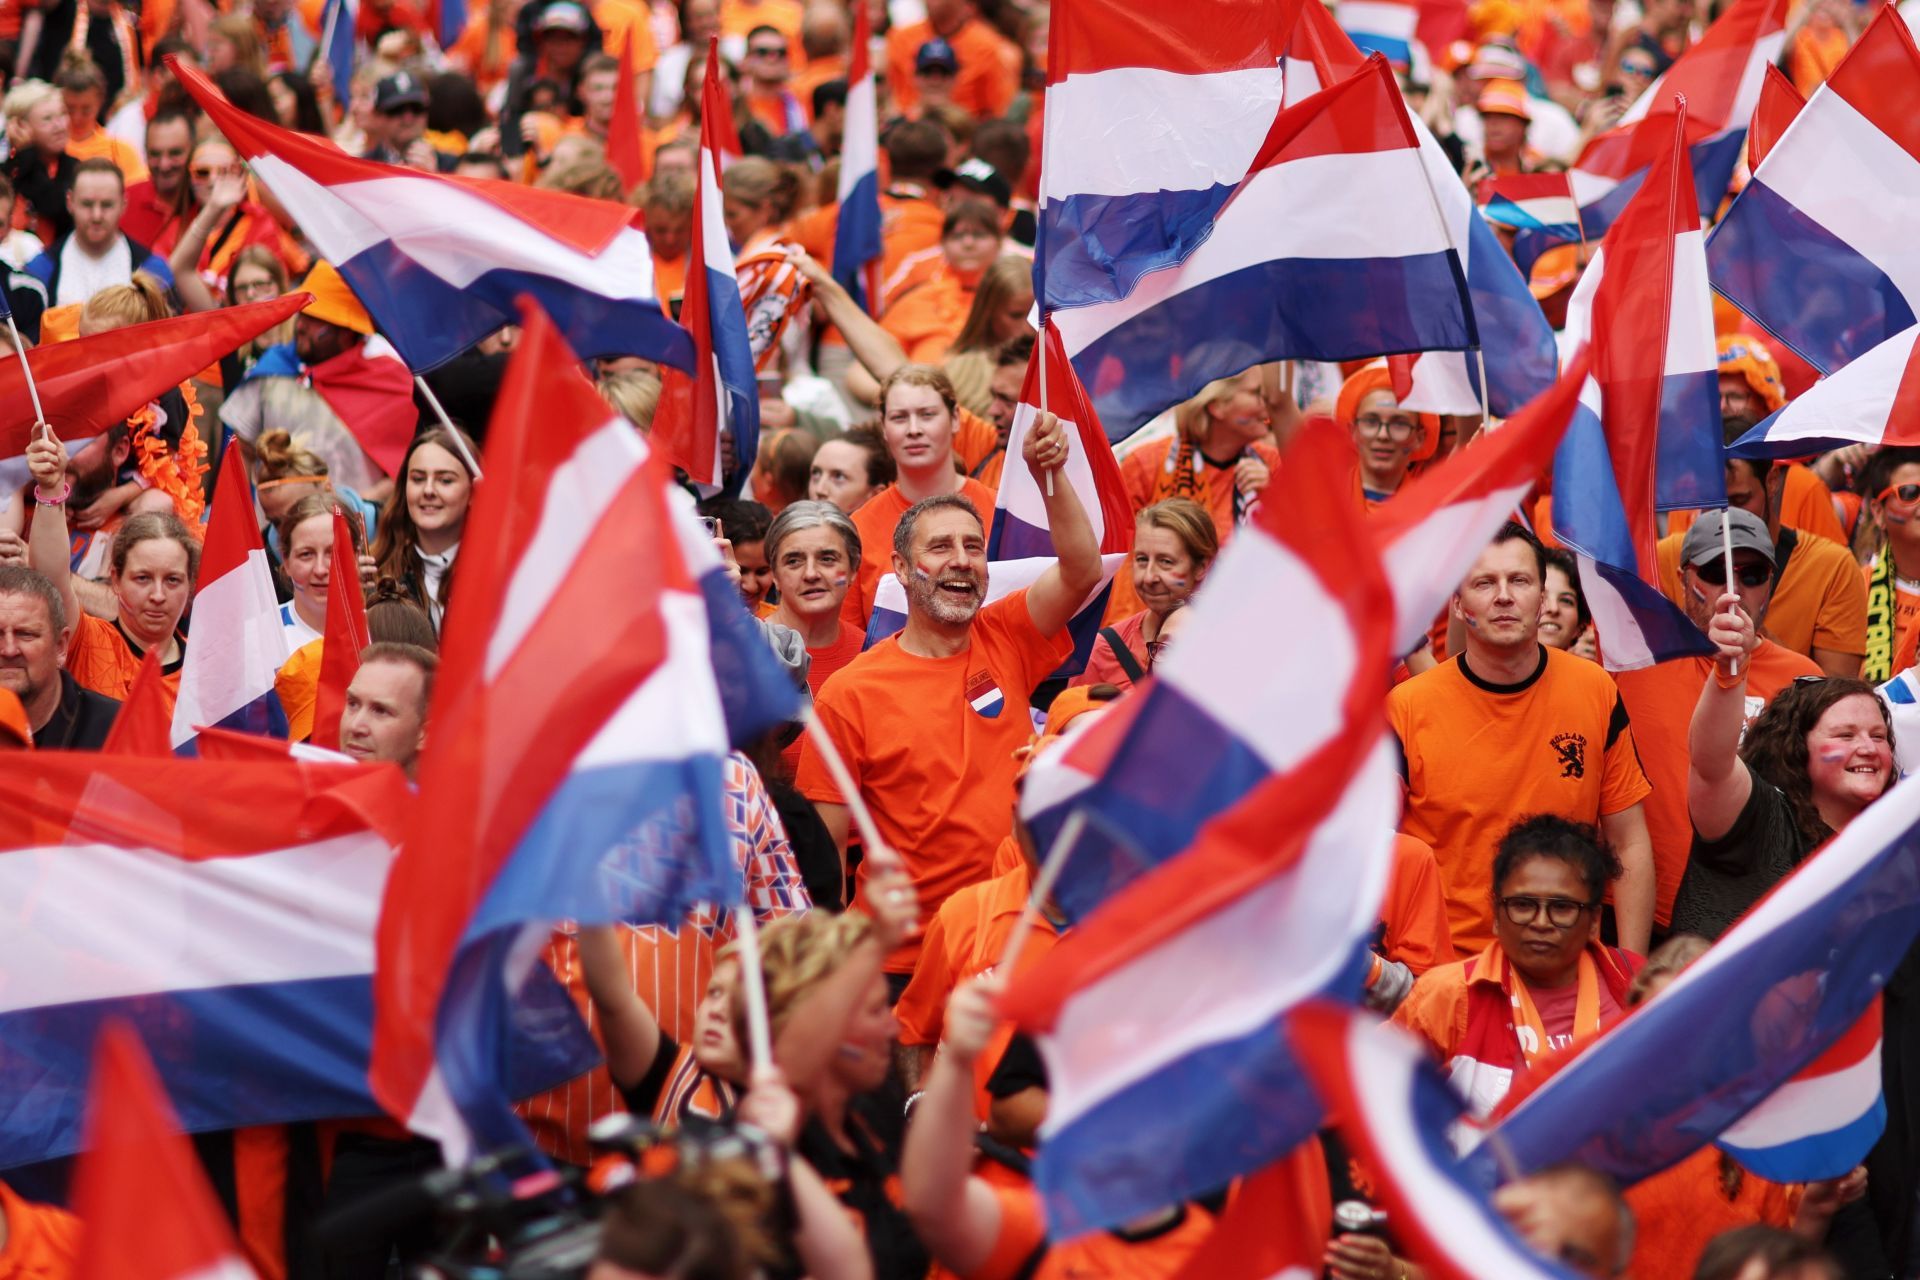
x=768, y=69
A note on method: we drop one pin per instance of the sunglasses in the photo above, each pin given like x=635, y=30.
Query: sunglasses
x=769, y=51
x=1714, y=574
x=1906, y=494
x=206, y=172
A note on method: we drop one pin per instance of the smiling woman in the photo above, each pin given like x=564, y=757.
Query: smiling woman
x=421, y=527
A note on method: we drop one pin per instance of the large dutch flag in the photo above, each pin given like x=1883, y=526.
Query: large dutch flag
x=1154, y=113
x=1304, y=262
x=1769, y=1043
x=535, y=791
x=1721, y=78
x=226, y=910
x=1874, y=400
x=856, y=233
x=439, y=261
x=1019, y=542
x=1646, y=434
x=1394, y=1111
x=1817, y=247
x=1506, y=317
x=236, y=644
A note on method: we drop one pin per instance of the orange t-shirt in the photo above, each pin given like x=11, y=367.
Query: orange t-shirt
x=1156, y=1256
x=989, y=67
x=1477, y=757
x=1682, y=1208
x=929, y=316
x=930, y=743
x=101, y=659
x=879, y=516
x=621, y=20
x=965, y=940
x=1660, y=699
x=298, y=687
x=1906, y=620
x=1805, y=503
x=670, y=278
x=1413, y=919
x=101, y=145
x=1140, y=472
x=816, y=73
x=470, y=54
x=909, y=225
x=43, y=1241
x=737, y=17
x=1820, y=602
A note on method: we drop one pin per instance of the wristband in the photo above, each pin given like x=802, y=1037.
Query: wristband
x=66, y=491
x=906, y=1112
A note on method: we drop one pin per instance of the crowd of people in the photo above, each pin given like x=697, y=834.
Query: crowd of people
x=1570, y=841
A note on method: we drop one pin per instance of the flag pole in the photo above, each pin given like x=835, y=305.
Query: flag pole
x=1057, y=855
x=877, y=848
x=33, y=389
x=1726, y=552
x=1041, y=350
x=1466, y=303
x=1486, y=417
x=459, y=441
x=753, y=981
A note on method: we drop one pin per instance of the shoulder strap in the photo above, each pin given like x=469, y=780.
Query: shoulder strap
x=1124, y=656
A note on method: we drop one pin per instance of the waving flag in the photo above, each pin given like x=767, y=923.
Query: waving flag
x=1385, y=27
x=1157, y=1016
x=144, y=724
x=89, y=384
x=1430, y=533
x=438, y=261
x=1393, y=1110
x=856, y=235
x=346, y=637
x=1538, y=208
x=721, y=393
x=1506, y=316
x=1154, y=114
x=1779, y=105
x=535, y=791
x=338, y=26
x=449, y=20
x=1720, y=77
x=1303, y=263
x=236, y=644
x=150, y=1212
x=1646, y=434
x=1875, y=400
x=1786, y=984
x=1815, y=248
x=1300, y=589
x=1019, y=544
x=226, y=910
x=626, y=150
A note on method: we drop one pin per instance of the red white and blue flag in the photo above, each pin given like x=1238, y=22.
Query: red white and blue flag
x=1385, y=27
x=1768, y=1043
x=856, y=233
x=1720, y=77
x=142, y=1193
x=1302, y=263
x=1506, y=316
x=1300, y=589
x=1822, y=215
x=1019, y=541
x=236, y=643
x=1874, y=400
x=1779, y=104
x=578, y=697
x=226, y=910
x=1538, y=208
x=344, y=640
x=1394, y=1111
x=438, y=261
x=1646, y=434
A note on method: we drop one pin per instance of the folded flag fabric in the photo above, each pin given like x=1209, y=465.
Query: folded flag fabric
x=1874, y=400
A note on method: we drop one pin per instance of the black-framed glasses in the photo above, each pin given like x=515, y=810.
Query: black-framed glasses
x=1562, y=913
x=1714, y=573
x=768, y=51
x=1156, y=649
x=1396, y=428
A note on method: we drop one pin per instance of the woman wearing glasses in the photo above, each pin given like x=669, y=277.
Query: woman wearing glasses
x=1544, y=981
x=1892, y=490
x=229, y=220
x=1387, y=438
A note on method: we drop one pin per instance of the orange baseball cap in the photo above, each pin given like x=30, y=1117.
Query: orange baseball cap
x=1506, y=98
x=333, y=301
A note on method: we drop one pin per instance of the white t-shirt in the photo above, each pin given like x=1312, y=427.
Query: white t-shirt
x=82, y=275
x=298, y=632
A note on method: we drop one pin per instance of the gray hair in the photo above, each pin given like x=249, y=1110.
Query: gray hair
x=903, y=532
x=797, y=517
x=18, y=580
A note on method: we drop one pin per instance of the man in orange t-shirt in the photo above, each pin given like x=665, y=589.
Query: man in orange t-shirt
x=1661, y=698
x=989, y=62
x=1511, y=727
x=928, y=720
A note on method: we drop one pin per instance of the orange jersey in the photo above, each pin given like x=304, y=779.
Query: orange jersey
x=929, y=316
x=297, y=685
x=1142, y=472
x=1661, y=699
x=1476, y=757
x=737, y=17
x=876, y=520
x=101, y=145
x=909, y=226
x=624, y=20
x=965, y=940
x=1155, y=1255
x=989, y=67
x=1413, y=919
x=101, y=659
x=1681, y=1209
x=930, y=741
x=1819, y=602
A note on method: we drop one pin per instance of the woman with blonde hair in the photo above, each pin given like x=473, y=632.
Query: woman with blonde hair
x=1174, y=544
x=233, y=41
x=230, y=220
x=999, y=313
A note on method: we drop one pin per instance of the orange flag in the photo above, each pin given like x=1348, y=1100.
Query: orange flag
x=625, y=151
x=345, y=639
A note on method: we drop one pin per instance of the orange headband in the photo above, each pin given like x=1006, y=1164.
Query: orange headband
x=268, y=484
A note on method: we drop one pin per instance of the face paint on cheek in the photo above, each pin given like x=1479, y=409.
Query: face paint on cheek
x=1831, y=756
x=1470, y=620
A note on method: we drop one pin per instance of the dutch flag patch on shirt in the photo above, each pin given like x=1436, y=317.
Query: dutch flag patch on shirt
x=984, y=696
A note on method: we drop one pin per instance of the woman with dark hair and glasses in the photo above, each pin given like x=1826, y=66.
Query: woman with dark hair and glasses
x=1544, y=981
x=1889, y=544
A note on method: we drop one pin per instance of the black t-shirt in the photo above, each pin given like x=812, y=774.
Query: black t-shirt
x=814, y=851
x=1020, y=1069
x=860, y=1179
x=1726, y=876
x=80, y=722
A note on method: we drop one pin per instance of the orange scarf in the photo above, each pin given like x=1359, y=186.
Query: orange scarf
x=1527, y=1026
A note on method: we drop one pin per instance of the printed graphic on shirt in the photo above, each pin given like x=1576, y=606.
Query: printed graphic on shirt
x=984, y=696
x=1572, y=750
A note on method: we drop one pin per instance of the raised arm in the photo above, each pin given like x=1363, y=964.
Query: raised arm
x=1718, y=782
x=49, y=546
x=228, y=191
x=1058, y=592
x=955, y=1213
x=871, y=345
x=629, y=1033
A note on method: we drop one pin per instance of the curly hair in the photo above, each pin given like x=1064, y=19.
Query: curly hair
x=1545, y=835
x=1776, y=744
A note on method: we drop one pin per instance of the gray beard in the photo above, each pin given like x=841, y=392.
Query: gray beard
x=925, y=596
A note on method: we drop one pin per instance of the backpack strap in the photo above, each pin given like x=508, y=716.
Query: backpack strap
x=1124, y=656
